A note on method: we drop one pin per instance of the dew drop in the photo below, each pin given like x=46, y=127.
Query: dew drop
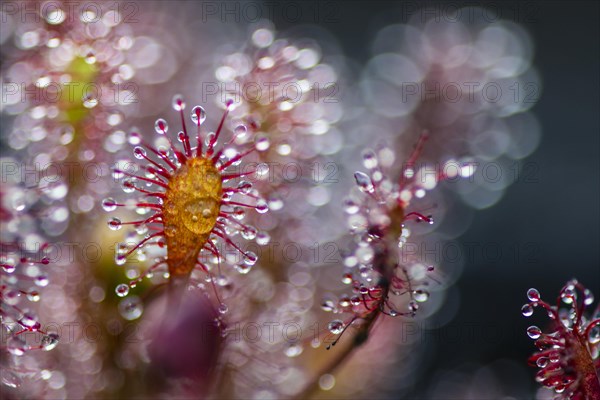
x=128, y=186
x=262, y=206
x=139, y=152
x=238, y=213
x=527, y=310
x=122, y=290
x=250, y=258
x=33, y=296
x=364, y=182
x=533, y=294
x=542, y=362
x=90, y=101
x=49, y=341
x=347, y=279
x=336, y=327
x=328, y=305
x=421, y=295
x=293, y=350
x=161, y=127
x=263, y=238
x=109, y=204
x=369, y=159
x=134, y=138
x=41, y=280
x=275, y=203
x=118, y=174
x=534, y=332
x=198, y=115
x=249, y=232
x=240, y=131
x=344, y=301
x=244, y=187
x=242, y=268
x=30, y=321
x=131, y=308
x=223, y=308
x=262, y=143
x=9, y=266
x=178, y=103
x=115, y=224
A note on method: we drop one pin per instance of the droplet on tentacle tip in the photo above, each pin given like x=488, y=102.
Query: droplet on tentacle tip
x=198, y=114
x=364, y=182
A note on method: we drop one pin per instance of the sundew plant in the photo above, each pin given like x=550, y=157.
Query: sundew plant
x=231, y=200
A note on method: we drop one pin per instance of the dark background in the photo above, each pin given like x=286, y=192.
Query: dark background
x=553, y=220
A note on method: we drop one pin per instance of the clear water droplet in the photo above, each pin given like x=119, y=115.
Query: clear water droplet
x=161, y=127
x=198, y=115
x=109, y=204
x=122, y=290
x=263, y=238
x=369, y=159
x=244, y=187
x=33, y=296
x=131, y=308
x=542, y=362
x=139, y=152
x=115, y=224
x=178, y=103
x=134, y=138
x=49, y=341
x=262, y=143
x=421, y=295
x=41, y=280
x=347, y=279
x=293, y=350
x=328, y=305
x=242, y=268
x=249, y=232
x=533, y=294
x=364, y=182
x=344, y=301
x=29, y=320
x=275, y=203
x=534, y=332
x=240, y=131
x=262, y=206
x=250, y=258
x=527, y=310
x=336, y=326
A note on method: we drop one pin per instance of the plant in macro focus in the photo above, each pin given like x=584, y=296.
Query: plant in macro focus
x=568, y=353
x=190, y=200
x=210, y=280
